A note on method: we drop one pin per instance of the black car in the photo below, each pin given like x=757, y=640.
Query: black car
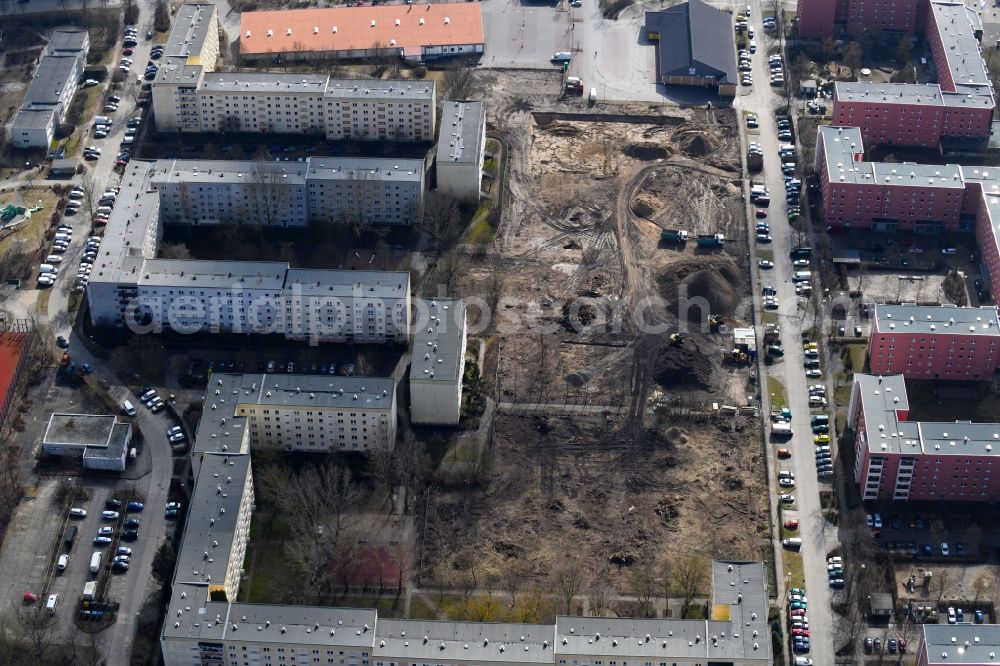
x=130, y=535
x=113, y=504
x=132, y=524
x=62, y=342
x=119, y=566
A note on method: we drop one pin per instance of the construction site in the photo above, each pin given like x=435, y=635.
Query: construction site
x=623, y=254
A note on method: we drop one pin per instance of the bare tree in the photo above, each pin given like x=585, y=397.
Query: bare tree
x=512, y=578
x=568, y=580
x=642, y=585
x=37, y=628
x=690, y=575
x=91, y=193
x=852, y=55
x=175, y=251
x=442, y=219
x=941, y=581
x=161, y=16
x=459, y=82
x=601, y=597
x=268, y=195
x=494, y=285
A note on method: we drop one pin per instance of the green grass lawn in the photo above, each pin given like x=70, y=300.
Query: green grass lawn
x=793, y=565
x=480, y=231
x=769, y=318
x=777, y=389
x=842, y=396
x=859, y=356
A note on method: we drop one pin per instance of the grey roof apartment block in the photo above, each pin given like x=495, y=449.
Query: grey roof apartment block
x=68, y=42
x=438, y=340
x=54, y=74
x=943, y=319
x=959, y=644
x=462, y=125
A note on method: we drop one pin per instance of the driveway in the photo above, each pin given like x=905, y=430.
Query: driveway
x=817, y=536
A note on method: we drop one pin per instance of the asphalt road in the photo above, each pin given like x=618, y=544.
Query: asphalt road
x=817, y=536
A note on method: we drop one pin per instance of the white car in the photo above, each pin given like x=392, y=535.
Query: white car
x=45, y=280
x=765, y=264
x=53, y=259
x=813, y=373
x=77, y=513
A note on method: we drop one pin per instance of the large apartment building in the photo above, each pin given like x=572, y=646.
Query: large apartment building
x=344, y=190
x=959, y=106
x=461, y=149
x=907, y=196
x=51, y=90
x=902, y=460
x=817, y=18
x=189, y=96
x=129, y=286
x=934, y=342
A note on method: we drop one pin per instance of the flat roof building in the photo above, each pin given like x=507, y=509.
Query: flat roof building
x=461, y=148
x=902, y=460
x=962, y=644
x=51, y=90
x=415, y=32
x=100, y=441
x=694, y=46
x=437, y=366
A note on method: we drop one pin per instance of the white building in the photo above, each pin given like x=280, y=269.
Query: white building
x=129, y=284
x=101, y=442
x=438, y=362
x=52, y=88
x=311, y=412
x=461, y=149
x=319, y=189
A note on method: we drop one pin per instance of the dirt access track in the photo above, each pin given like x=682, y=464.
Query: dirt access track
x=581, y=258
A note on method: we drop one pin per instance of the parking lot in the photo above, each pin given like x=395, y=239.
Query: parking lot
x=610, y=55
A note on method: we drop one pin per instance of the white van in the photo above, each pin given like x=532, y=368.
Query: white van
x=753, y=46
x=802, y=276
x=95, y=562
x=102, y=120
x=51, y=604
x=62, y=563
x=47, y=268
x=128, y=408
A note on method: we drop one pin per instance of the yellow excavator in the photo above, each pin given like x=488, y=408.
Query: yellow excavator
x=736, y=356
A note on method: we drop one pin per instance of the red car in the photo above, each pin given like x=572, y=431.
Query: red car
x=800, y=632
x=30, y=597
x=797, y=612
x=761, y=214
x=127, y=52
x=902, y=644
x=784, y=453
x=792, y=524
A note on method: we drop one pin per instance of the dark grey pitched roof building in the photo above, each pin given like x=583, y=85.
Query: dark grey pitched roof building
x=696, y=42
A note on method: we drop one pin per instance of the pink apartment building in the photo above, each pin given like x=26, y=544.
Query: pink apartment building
x=907, y=461
x=884, y=196
x=960, y=105
x=817, y=17
x=934, y=342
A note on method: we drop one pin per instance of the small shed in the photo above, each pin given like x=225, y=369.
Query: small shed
x=65, y=168
x=879, y=606
x=808, y=88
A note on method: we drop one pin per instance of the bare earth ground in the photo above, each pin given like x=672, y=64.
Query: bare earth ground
x=580, y=257
x=569, y=486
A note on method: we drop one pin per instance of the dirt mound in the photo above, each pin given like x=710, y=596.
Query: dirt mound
x=682, y=367
x=698, y=144
x=645, y=151
x=561, y=129
x=645, y=206
x=691, y=286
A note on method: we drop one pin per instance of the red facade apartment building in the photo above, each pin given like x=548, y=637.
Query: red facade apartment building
x=884, y=196
x=816, y=17
x=934, y=342
x=905, y=461
x=959, y=105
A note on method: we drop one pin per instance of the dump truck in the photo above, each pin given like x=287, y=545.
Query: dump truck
x=674, y=236
x=676, y=340
x=711, y=240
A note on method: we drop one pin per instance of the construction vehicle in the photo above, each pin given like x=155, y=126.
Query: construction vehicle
x=674, y=236
x=736, y=356
x=711, y=240
x=676, y=340
x=716, y=321
x=772, y=335
x=574, y=85
x=66, y=358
